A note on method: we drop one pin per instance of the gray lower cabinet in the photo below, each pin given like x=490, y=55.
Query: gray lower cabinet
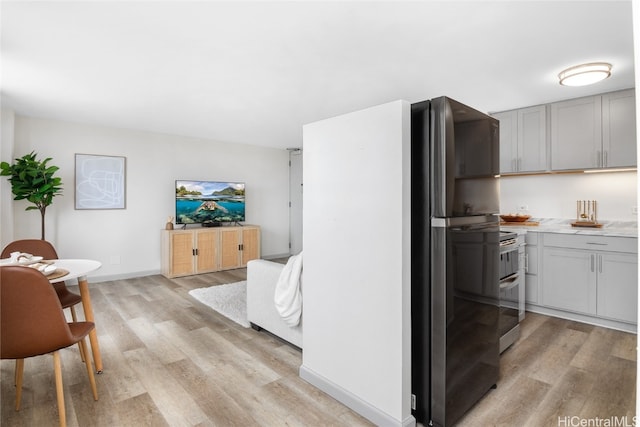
x=531, y=268
x=590, y=275
x=569, y=282
x=617, y=286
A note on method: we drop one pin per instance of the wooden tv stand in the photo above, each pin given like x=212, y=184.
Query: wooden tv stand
x=205, y=250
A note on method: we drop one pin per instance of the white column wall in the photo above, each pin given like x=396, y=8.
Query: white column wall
x=357, y=261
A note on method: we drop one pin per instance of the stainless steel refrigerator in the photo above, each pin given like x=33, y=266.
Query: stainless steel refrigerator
x=455, y=258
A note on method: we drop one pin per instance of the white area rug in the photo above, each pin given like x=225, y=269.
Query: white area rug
x=230, y=300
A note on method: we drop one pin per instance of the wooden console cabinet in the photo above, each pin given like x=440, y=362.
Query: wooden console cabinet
x=204, y=250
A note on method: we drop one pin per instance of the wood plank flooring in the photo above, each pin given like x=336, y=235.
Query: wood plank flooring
x=170, y=361
x=558, y=370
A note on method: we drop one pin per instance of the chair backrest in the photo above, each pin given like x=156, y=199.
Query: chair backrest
x=31, y=246
x=31, y=317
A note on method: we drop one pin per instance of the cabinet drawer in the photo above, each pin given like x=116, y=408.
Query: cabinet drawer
x=594, y=243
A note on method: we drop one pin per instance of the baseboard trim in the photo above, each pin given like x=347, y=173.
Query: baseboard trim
x=583, y=318
x=352, y=401
x=122, y=276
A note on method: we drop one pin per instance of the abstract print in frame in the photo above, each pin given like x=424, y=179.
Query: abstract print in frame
x=100, y=182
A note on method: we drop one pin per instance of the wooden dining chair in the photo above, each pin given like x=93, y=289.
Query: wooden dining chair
x=32, y=324
x=46, y=250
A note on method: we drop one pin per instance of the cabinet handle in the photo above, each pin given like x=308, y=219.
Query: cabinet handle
x=514, y=165
x=519, y=164
x=598, y=159
x=597, y=243
x=600, y=263
x=606, y=158
x=592, y=262
x=526, y=263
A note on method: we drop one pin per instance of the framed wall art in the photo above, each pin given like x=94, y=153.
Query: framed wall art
x=100, y=182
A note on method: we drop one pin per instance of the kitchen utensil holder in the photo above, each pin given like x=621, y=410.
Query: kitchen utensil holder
x=586, y=214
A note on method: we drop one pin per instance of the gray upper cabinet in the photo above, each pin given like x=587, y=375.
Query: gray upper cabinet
x=523, y=142
x=619, y=129
x=508, y=140
x=532, y=139
x=576, y=133
x=594, y=132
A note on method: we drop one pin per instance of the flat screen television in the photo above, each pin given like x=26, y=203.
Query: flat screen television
x=209, y=202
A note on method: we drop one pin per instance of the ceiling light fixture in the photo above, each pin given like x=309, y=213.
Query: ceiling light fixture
x=585, y=74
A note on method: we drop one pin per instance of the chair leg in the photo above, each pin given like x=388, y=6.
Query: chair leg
x=59, y=389
x=92, y=379
x=18, y=378
x=75, y=319
x=15, y=374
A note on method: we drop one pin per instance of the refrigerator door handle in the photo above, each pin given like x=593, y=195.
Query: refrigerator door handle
x=462, y=221
x=439, y=222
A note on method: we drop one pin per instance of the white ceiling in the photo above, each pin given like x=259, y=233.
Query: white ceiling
x=255, y=72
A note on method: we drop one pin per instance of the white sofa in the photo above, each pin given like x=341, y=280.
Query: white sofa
x=262, y=276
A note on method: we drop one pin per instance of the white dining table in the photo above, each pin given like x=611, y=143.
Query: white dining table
x=79, y=269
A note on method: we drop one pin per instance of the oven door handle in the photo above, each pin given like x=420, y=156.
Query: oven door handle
x=509, y=282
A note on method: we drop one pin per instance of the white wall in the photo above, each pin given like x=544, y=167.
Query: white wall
x=555, y=195
x=7, y=119
x=636, y=38
x=357, y=255
x=127, y=241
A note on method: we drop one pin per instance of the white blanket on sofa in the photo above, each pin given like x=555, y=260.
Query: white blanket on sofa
x=288, y=294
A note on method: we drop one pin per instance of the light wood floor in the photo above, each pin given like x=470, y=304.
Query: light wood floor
x=171, y=361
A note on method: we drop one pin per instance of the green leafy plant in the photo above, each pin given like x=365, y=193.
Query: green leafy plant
x=33, y=180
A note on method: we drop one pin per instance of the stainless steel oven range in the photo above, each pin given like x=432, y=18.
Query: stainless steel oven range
x=511, y=287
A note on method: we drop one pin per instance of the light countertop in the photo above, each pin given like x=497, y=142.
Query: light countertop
x=559, y=225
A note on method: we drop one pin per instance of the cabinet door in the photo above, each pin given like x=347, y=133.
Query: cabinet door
x=531, y=289
x=531, y=276
x=181, y=250
x=619, y=129
x=207, y=255
x=569, y=280
x=250, y=244
x=618, y=286
x=230, y=248
x=576, y=134
x=531, y=259
x=532, y=139
x=508, y=141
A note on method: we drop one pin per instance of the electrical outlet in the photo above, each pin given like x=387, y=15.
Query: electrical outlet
x=634, y=210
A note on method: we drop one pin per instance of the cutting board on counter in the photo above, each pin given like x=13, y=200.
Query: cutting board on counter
x=521, y=223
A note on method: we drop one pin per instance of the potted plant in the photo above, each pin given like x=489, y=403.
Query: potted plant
x=33, y=180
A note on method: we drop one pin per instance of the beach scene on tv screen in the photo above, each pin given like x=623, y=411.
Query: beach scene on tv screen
x=200, y=202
